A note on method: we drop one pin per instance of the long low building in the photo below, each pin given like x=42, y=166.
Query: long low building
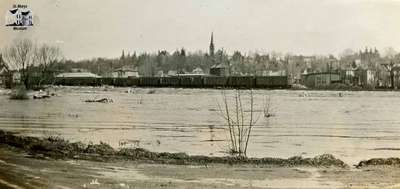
x=193, y=81
x=315, y=80
x=77, y=75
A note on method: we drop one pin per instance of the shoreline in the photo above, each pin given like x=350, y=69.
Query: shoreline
x=32, y=162
x=58, y=148
x=19, y=169
x=215, y=88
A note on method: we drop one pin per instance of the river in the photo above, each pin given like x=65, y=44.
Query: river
x=352, y=125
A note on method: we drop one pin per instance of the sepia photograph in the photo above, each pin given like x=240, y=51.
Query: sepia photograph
x=199, y=94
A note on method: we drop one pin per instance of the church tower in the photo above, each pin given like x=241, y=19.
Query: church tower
x=211, y=52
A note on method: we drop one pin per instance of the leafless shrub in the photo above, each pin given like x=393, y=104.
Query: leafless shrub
x=132, y=143
x=240, y=121
x=19, y=56
x=46, y=55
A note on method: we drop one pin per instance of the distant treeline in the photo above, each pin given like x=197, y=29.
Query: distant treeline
x=149, y=64
x=238, y=63
x=32, y=59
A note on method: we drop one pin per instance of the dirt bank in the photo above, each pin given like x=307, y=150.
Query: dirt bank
x=19, y=170
x=30, y=162
x=58, y=148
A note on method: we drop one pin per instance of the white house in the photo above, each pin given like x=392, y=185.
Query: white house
x=198, y=71
x=172, y=73
x=274, y=73
x=124, y=72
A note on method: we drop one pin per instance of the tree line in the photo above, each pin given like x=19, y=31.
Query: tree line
x=31, y=59
x=44, y=60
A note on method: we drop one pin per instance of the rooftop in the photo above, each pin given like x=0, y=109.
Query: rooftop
x=78, y=74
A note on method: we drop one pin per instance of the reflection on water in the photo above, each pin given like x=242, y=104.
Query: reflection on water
x=351, y=127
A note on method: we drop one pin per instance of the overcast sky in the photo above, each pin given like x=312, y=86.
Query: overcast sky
x=100, y=28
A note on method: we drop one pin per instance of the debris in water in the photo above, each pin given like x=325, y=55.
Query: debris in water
x=151, y=91
x=94, y=182
x=102, y=100
x=41, y=96
x=130, y=91
x=134, y=143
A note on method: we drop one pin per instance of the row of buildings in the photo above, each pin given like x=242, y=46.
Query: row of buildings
x=125, y=72
x=365, y=69
x=357, y=78
x=362, y=69
x=8, y=76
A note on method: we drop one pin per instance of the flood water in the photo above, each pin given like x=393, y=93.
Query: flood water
x=352, y=126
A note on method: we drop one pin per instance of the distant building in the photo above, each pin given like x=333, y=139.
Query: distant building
x=359, y=75
x=160, y=73
x=315, y=80
x=211, y=50
x=274, y=73
x=76, y=70
x=347, y=76
x=364, y=77
x=198, y=71
x=16, y=76
x=77, y=75
x=124, y=72
x=219, y=70
x=8, y=77
x=4, y=76
x=172, y=73
x=4, y=72
x=369, y=58
x=369, y=55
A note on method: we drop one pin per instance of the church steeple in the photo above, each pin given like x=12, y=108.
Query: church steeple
x=212, y=45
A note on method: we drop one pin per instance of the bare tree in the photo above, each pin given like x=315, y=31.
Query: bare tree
x=390, y=67
x=268, y=111
x=23, y=55
x=390, y=63
x=19, y=56
x=45, y=55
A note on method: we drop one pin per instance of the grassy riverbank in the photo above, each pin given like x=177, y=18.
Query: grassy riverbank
x=31, y=162
x=58, y=148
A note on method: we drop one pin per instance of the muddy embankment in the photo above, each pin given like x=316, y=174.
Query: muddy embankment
x=58, y=148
